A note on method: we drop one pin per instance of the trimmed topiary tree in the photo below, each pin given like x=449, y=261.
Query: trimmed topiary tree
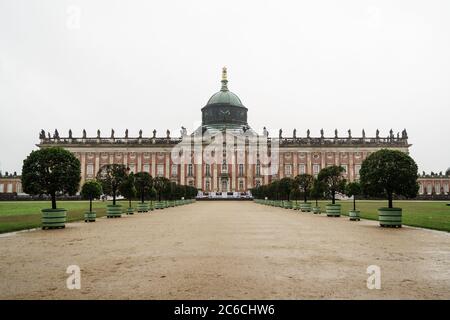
x=128, y=190
x=333, y=182
x=317, y=191
x=51, y=171
x=353, y=189
x=389, y=172
x=143, y=183
x=111, y=176
x=304, y=182
x=91, y=189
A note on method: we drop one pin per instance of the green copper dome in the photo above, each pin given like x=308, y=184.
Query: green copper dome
x=225, y=97
x=224, y=107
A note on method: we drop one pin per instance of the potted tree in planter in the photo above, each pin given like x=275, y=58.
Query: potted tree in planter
x=128, y=190
x=333, y=182
x=295, y=196
x=111, y=176
x=91, y=190
x=161, y=186
x=51, y=171
x=143, y=184
x=353, y=189
x=285, y=188
x=304, y=183
x=388, y=172
x=316, y=192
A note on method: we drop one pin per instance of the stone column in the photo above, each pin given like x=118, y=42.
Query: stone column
x=139, y=156
x=309, y=169
x=153, y=164
x=295, y=164
x=83, y=168
x=168, y=170
x=97, y=163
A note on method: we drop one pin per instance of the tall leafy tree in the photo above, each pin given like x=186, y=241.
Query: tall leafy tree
x=353, y=189
x=304, y=182
x=143, y=183
x=285, y=187
x=91, y=189
x=333, y=181
x=317, y=190
x=51, y=171
x=111, y=176
x=388, y=172
x=161, y=185
x=127, y=188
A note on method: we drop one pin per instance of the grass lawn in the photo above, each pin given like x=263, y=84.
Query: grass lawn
x=425, y=214
x=19, y=215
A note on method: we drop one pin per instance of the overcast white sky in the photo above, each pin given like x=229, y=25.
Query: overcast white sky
x=295, y=64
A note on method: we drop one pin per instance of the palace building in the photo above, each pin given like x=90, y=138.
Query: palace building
x=224, y=156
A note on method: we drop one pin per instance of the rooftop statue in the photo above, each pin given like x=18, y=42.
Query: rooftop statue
x=168, y=133
x=112, y=133
x=84, y=134
x=126, y=133
x=154, y=133
x=70, y=133
x=265, y=132
x=377, y=134
x=183, y=131
x=308, y=133
x=294, y=134
x=280, y=133
x=321, y=133
x=391, y=134
x=336, y=133
x=98, y=133
x=42, y=134
x=56, y=134
x=49, y=136
x=140, y=134
x=363, y=133
x=349, y=133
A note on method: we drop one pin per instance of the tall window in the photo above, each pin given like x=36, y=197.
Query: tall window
x=9, y=188
x=224, y=166
x=90, y=169
x=258, y=169
x=301, y=169
x=241, y=185
x=190, y=170
x=437, y=188
x=207, y=185
x=241, y=169
x=287, y=169
x=345, y=168
x=258, y=183
x=446, y=188
x=316, y=168
x=207, y=170
x=174, y=170
x=132, y=168
x=357, y=168
x=2, y=188
x=421, y=189
x=160, y=170
x=146, y=168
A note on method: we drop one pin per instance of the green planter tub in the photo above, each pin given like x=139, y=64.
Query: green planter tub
x=287, y=204
x=142, y=207
x=160, y=205
x=54, y=218
x=316, y=210
x=390, y=217
x=353, y=215
x=333, y=210
x=113, y=211
x=130, y=210
x=295, y=205
x=305, y=206
x=90, y=216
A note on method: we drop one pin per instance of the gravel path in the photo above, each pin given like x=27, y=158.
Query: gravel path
x=225, y=250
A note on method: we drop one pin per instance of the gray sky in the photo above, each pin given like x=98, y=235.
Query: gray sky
x=294, y=64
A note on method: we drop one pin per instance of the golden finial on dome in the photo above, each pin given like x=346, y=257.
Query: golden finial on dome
x=224, y=73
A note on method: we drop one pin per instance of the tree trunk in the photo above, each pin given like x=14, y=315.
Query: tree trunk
x=389, y=199
x=333, y=197
x=354, y=203
x=317, y=204
x=114, y=197
x=90, y=204
x=304, y=196
x=129, y=203
x=142, y=196
x=53, y=195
